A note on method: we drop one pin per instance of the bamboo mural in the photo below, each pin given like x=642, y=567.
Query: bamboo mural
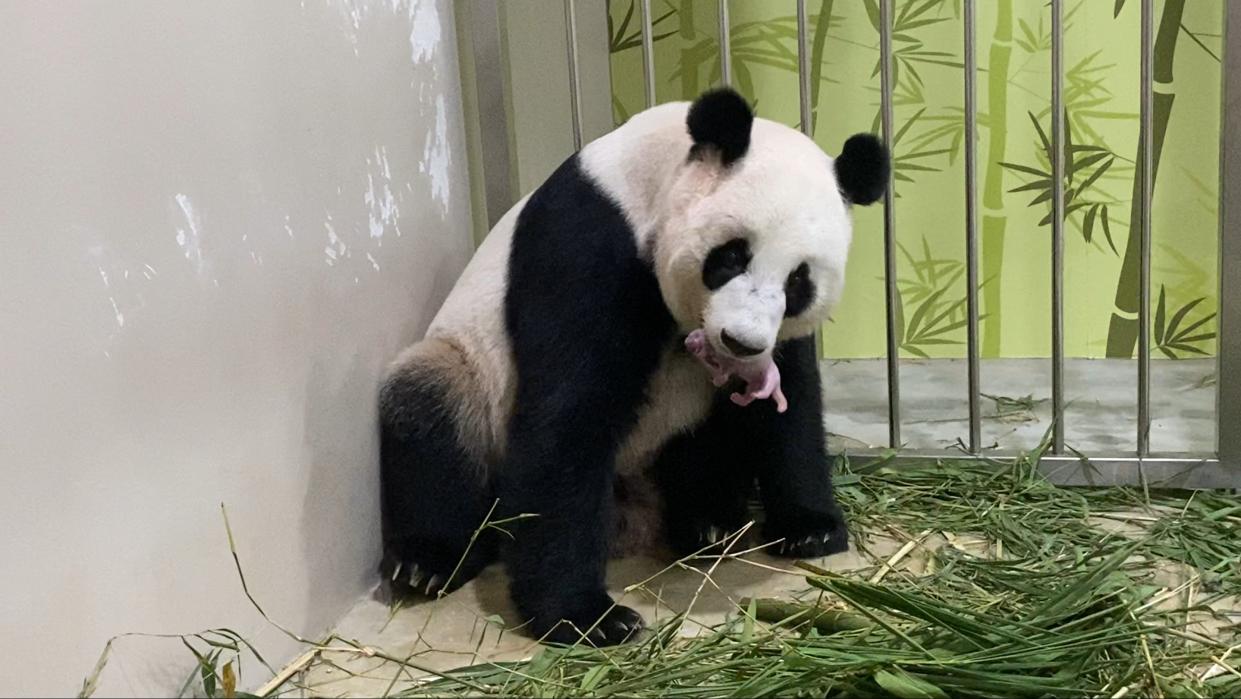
x=689, y=55
x=994, y=218
x=1123, y=331
x=822, y=23
x=1014, y=175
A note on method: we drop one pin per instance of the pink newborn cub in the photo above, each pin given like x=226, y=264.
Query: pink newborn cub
x=762, y=377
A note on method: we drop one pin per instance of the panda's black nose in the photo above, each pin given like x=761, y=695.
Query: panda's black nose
x=738, y=347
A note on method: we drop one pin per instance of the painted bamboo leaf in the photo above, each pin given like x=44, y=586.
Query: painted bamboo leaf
x=1171, y=338
x=1084, y=166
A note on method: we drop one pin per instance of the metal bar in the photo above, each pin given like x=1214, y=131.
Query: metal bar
x=648, y=53
x=1057, y=226
x=575, y=86
x=1188, y=472
x=803, y=68
x=726, y=61
x=1145, y=171
x=490, y=75
x=971, y=229
x=1228, y=388
x=889, y=227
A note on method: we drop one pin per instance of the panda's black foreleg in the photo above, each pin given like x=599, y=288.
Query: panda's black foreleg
x=434, y=496
x=705, y=488
x=557, y=482
x=795, y=480
x=789, y=452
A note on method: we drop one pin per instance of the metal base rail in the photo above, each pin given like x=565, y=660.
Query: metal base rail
x=1174, y=471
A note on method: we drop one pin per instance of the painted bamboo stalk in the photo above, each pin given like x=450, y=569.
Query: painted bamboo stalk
x=690, y=59
x=994, y=219
x=816, y=60
x=1122, y=333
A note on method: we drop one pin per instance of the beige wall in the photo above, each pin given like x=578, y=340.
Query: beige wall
x=218, y=220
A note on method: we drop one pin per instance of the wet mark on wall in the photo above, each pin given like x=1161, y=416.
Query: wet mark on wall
x=124, y=283
x=436, y=157
x=382, y=208
x=189, y=234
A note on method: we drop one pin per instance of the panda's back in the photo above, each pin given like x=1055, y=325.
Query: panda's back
x=480, y=374
x=471, y=325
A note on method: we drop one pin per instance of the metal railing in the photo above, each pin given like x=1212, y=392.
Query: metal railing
x=1218, y=467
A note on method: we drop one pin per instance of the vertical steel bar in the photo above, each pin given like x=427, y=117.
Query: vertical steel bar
x=803, y=68
x=889, y=227
x=726, y=61
x=490, y=76
x=648, y=53
x=971, y=228
x=1146, y=171
x=1228, y=384
x=1057, y=225
x=803, y=95
x=575, y=86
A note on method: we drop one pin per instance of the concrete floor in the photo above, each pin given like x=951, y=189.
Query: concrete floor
x=1100, y=410
x=467, y=626
x=474, y=623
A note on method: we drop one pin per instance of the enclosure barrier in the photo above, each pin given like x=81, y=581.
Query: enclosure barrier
x=1217, y=468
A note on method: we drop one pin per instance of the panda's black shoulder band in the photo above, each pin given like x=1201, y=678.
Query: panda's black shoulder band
x=862, y=169
x=720, y=120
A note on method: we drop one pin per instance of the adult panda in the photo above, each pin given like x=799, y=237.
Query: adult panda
x=572, y=373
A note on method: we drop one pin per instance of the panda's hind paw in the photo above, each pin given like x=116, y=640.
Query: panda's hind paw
x=407, y=577
x=706, y=535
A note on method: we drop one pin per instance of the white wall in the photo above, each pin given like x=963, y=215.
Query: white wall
x=218, y=220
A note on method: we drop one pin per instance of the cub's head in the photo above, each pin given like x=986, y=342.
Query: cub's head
x=754, y=228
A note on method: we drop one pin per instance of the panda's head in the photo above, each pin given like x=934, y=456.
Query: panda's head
x=754, y=227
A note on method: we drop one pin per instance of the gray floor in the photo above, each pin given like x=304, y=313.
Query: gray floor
x=1100, y=412
x=469, y=626
x=475, y=623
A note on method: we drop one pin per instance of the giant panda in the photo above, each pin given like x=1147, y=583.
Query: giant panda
x=629, y=352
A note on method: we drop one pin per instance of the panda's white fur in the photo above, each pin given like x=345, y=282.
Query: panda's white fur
x=783, y=191
x=468, y=347
x=615, y=406
x=784, y=194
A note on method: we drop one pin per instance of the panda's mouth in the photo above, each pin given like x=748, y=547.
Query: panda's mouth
x=761, y=376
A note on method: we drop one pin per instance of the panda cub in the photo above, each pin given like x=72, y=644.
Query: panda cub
x=627, y=355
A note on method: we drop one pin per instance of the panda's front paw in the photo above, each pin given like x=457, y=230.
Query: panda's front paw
x=810, y=536
x=813, y=545
x=616, y=625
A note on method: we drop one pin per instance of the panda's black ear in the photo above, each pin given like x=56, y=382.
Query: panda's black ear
x=720, y=120
x=862, y=169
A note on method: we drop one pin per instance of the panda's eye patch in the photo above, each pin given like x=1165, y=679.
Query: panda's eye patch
x=725, y=262
x=798, y=291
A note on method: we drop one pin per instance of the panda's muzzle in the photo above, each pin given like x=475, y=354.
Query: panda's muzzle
x=738, y=348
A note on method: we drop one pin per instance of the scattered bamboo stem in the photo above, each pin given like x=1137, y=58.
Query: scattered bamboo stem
x=903, y=551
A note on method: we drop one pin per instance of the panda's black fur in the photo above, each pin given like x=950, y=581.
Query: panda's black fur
x=587, y=325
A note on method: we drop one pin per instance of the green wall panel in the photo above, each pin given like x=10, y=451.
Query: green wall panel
x=1013, y=83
